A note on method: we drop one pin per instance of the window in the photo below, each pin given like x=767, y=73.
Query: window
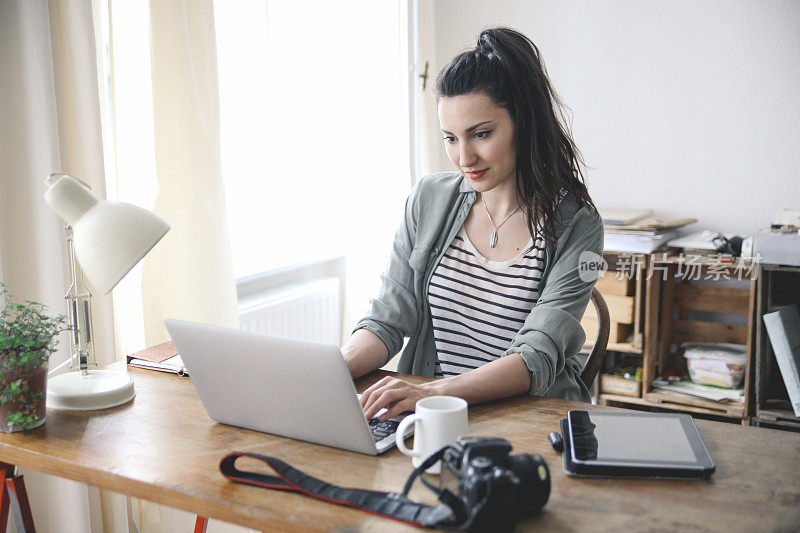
x=314, y=130
x=314, y=133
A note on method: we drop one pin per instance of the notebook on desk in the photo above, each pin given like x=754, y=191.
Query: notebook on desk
x=287, y=387
x=163, y=358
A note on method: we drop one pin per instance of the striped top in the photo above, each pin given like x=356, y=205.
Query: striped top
x=478, y=306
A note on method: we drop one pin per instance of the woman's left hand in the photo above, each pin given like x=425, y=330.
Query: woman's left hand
x=396, y=395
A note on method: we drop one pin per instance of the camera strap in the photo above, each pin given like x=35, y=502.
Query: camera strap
x=448, y=515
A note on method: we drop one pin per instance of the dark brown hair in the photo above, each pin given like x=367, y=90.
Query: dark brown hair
x=507, y=66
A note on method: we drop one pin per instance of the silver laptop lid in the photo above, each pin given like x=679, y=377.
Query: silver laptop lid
x=287, y=387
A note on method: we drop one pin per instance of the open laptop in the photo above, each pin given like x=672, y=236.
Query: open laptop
x=288, y=387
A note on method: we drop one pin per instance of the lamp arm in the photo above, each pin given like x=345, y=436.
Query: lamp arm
x=79, y=307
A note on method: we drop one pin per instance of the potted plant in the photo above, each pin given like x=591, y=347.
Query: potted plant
x=27, y=338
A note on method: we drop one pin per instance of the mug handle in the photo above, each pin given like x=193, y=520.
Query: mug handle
x=400, y=435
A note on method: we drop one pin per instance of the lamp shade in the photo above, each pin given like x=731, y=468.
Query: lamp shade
x=109, y=238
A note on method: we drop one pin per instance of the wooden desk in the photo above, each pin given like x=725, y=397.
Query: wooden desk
x=163, y=447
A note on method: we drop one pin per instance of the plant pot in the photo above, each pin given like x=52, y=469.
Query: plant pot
x=22, y=399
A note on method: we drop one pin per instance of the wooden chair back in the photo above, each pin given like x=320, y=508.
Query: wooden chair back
x=592, y=366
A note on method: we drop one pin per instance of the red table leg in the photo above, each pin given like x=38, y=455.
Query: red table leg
x=15, y=497
x=4, y=504
x=200, y=524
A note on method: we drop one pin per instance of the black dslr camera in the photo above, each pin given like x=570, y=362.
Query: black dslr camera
x=485, y=487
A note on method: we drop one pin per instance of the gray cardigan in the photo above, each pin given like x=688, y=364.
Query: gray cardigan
x=552, y=334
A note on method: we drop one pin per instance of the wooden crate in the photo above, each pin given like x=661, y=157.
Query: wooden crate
x=623, y=289
x=777, y=286
x=620, y=308
x=776, y=418
x=632, y=268
x=616, y=332
x=612, y=283
x=611, y=384
x=685, y=316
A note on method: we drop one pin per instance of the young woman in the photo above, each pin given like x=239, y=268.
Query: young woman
x=483, y=277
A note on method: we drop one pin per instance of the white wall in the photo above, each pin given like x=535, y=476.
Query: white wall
x=691, y=108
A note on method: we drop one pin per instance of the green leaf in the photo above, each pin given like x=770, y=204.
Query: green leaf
x=27, y=334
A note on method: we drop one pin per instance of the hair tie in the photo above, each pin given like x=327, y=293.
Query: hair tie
x=489, y=54
x=486, y=47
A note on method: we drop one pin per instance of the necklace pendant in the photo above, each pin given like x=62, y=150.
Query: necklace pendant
x=493, y=239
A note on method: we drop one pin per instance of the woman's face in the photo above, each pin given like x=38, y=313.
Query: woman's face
x=479, y=139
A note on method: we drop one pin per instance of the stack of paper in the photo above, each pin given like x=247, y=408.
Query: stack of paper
x=633, y=243
x=708, y=392
x=651, y=223
x=164, y=358
x=638, y=231
x=622, y=217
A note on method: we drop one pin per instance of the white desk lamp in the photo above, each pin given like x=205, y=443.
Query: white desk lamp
x=105, y=240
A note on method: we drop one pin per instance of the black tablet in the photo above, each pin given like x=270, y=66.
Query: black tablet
x=612, y=444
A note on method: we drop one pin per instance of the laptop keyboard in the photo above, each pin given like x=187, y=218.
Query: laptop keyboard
x=382, y=429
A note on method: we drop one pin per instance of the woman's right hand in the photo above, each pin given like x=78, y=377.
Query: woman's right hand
x=395, y=395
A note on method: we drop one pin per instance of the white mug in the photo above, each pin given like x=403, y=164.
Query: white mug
x=439, y=421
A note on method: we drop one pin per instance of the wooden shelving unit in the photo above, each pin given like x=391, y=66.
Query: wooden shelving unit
x=642, y=341
x=677, y=311
x=634, y=267
x=777, y=285
x=624, y=347
x=627, y=401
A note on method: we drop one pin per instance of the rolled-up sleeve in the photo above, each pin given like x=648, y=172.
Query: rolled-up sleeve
x=393, y=313
x=552, y=331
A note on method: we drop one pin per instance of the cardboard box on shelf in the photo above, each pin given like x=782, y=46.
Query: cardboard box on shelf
x=611, y=384
x=617, y=332
x=620, y=308
x=608, y=283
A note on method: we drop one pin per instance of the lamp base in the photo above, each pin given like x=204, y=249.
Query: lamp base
x=97, y=389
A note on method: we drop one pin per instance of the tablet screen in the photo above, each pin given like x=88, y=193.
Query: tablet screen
x=642, y=439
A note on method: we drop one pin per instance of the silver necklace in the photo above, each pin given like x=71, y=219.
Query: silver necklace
x=493, y=238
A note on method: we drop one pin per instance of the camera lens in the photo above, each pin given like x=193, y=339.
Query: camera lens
x=534, y=476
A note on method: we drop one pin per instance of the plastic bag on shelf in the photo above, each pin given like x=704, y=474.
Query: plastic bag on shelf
x=715, y=363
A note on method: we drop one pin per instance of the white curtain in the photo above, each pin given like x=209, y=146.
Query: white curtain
x=190, y=275
x=49, y=111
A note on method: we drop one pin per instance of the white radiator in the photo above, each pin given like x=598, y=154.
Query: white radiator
x=309, y=310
